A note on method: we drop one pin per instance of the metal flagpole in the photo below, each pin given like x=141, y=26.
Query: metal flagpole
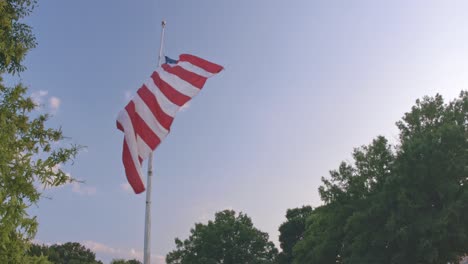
x=147, y=245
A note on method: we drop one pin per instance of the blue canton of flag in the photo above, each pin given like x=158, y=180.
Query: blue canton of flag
x=170, y=61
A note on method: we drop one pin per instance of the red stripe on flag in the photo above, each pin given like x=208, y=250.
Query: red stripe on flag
x=172, y=94
x=145, y=132
x=201, y=63
x=190, y=77
x=131, y=163
x=119, y=126
x=130, y=170
x=150, y=100
x=141, y=128
x=130, y=108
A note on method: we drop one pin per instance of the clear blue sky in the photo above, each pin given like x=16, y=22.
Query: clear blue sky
x=305, y=82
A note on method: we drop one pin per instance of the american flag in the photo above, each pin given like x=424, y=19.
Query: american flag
x=147, y=118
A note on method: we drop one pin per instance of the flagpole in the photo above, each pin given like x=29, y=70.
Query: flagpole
x=147, y=244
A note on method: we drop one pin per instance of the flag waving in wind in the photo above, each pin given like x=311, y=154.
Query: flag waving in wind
x=147, y=118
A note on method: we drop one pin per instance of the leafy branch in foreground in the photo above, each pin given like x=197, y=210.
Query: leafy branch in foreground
x=30, y=158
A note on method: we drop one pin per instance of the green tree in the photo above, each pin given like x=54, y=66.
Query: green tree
x=69, y=253
x=406, y=203
x=29, y=155
x=16, y=38
x=123, y=261
x=229, y=239
x=292, y=231
x=37, y=254
x=323, y=236
x=38, y=250
x=429, y=223
x=38, y=260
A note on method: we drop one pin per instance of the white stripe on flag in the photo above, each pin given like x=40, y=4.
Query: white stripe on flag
x=177, y=83
x=126, y=123
x=145, y=113
x=166, y=105
x=195, y=69
x=143, y=149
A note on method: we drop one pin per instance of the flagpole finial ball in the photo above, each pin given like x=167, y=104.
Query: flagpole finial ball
x=163, y=23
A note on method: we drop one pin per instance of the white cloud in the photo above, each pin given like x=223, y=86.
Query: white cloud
x=76, y=186
x=80, y=189
x=99, y=247
x=40, y=242
x=158, y=259
x=38, y=97
x=126, y=187
x=54, y=103
x=128, y=95
x=41, y=97
x=102, y=249
x=185, y=106
x=56, y=168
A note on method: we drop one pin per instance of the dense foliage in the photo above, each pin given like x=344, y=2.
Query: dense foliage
x=406, y=203
x=29, y=159
x=70, y=253
x=229, y=239
x=29, y=154
x=292, y=231
x=16, y=38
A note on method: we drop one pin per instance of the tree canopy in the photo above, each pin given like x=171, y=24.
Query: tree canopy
x=70, y=253
x=28, y=159
x=229, y=239
x=16, y=37
x=292, y=231
x=29, y=154
x=401, y=203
